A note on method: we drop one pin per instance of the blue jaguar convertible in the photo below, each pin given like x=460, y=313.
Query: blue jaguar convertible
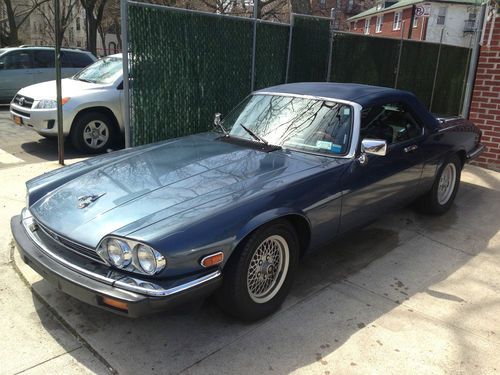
x=231, y=212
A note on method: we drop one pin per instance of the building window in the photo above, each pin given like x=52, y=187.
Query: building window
x=77, y=23
x=441, y=16
x=355, y=25
x=415, y=22
x=367, y=26
x=78, y=43
x=397, y=21
x=380, y=22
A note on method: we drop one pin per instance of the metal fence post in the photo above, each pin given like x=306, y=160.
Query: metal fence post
x=473, y=63
x=399, y=55
x=436, y=70
x=330, y=50
x=289, y=48
x=60, y=135
x=126, y=103
x=254, y=46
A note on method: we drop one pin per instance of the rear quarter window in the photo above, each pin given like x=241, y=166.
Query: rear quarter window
x=80, y=60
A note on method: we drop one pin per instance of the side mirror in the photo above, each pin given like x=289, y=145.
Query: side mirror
x=369, y=146
x=217, y=119
x=376, y=147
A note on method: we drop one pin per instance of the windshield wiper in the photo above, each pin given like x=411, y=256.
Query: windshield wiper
x=254, y=136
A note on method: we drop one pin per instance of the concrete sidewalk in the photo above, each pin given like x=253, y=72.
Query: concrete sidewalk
x=408, y=294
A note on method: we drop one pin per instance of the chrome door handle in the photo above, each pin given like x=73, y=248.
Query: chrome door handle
x=410, y=148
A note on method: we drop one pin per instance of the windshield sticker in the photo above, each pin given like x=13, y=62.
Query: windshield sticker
x=347, y=111
x=324, y=145
x=336, y=148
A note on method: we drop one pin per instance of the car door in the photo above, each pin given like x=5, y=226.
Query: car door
x=15, y=72
x=43, y=65
x=383, y=182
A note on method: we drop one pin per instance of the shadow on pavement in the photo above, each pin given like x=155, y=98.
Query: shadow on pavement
x=339, y=291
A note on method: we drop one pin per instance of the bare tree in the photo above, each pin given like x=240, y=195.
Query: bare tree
x=94, y=12
x=67, y=15
x=17, y=15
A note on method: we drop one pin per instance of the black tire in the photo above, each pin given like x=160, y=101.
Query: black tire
x=431, y=203
x=234, y=297
x=88, y=127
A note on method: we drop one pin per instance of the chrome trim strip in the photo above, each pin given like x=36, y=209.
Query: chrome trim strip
x=475, y=153
x=74, y=250
x=155, y=291
x=356, y=120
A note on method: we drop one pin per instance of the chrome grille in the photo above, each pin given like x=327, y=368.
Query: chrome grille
x=70, y=245
x=23, y=101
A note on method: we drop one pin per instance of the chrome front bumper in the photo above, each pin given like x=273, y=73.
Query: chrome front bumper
x=91, y=283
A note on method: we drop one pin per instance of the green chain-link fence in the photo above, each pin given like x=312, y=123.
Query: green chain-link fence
x=187, y=65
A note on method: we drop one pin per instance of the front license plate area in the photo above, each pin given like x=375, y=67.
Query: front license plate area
x=18, y=120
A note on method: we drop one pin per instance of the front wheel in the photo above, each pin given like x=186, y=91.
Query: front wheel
x=259, y=274
x=440, y=198
x=93, y=132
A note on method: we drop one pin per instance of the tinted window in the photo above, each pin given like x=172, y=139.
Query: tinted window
x=80, y=60
x=16, y=60
x=66, y=60
x=43, y=59
x=391, y=122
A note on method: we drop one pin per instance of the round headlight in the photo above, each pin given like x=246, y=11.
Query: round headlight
x=149, y=260
x=119, y=254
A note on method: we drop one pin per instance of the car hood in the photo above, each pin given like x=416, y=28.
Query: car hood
x=164, y=180
x=69, y=87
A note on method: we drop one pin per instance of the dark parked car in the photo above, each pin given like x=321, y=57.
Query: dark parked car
x=232, y=211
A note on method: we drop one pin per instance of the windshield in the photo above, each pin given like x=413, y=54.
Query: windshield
x=106, y=70
x=305, y=124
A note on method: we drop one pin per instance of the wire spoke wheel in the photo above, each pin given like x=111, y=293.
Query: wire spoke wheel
x=268, y=268
x=446, y=183
x=95, y=134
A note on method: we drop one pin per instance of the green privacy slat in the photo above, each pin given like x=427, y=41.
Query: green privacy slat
x=186, y=65
x=271, y=54
x=416, y=73
x=362, y=59
x=452, y=72
x=310, y=46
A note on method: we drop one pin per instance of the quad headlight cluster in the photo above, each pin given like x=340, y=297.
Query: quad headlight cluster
x=131, y=255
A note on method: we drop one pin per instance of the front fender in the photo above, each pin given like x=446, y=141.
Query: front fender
x=266, y=217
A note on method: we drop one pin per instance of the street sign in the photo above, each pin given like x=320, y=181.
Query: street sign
x=423, y=10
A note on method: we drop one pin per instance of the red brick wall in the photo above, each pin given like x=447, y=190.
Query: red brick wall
x=387, y=25
x=485, y=105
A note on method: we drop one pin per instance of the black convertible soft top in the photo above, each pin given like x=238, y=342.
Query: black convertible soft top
x=365, y=95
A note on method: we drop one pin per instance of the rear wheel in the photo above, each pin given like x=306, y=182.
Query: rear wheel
x=93, y=132
x=440, y=198
x=260, y=273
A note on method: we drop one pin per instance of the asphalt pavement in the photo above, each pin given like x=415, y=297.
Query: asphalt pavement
x=21, y=145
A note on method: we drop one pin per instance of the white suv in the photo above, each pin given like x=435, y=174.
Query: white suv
x=92, y=106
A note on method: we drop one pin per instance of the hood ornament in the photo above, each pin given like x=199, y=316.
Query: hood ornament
x=86, y=200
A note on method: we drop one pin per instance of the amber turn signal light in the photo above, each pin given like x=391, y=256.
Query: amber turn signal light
x=115, y=303
x=213, y=259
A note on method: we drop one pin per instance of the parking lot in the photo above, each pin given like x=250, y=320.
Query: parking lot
x=408, y=294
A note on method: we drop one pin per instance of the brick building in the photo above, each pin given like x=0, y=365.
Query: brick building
x=485, y=106
x=391, y=18
x=343, y=9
